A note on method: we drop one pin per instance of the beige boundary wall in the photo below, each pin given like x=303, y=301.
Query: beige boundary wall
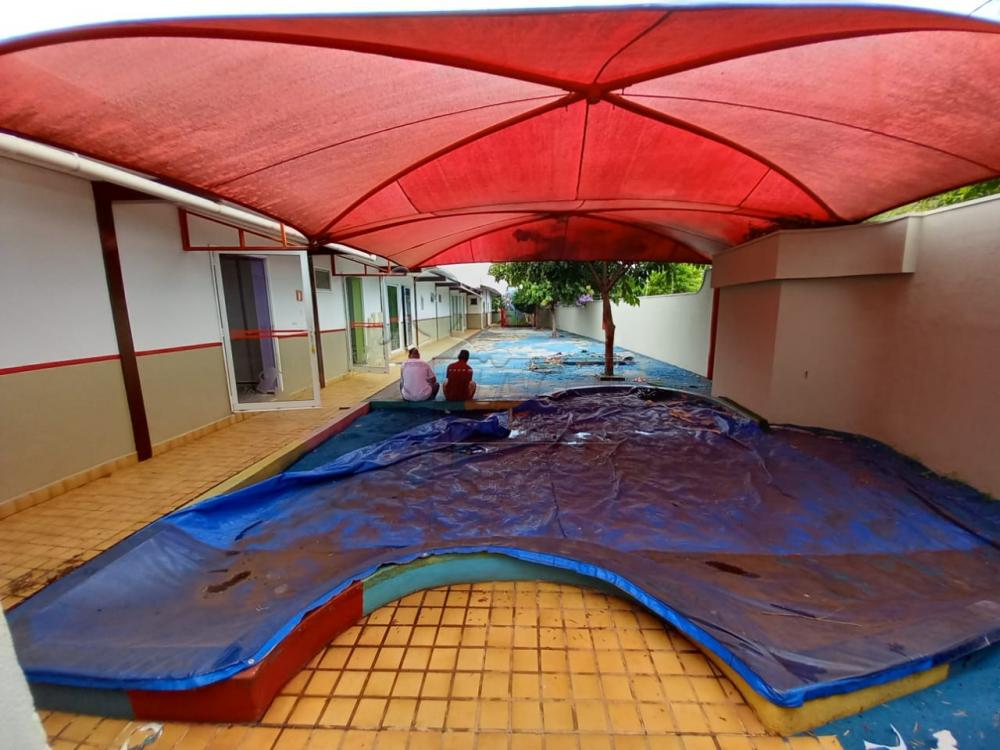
x=673, y=328
x=888, y=330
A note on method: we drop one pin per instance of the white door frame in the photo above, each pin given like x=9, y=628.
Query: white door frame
x=227, y=351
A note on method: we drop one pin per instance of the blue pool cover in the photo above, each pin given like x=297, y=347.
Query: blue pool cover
x=519, y=363
x=813, y=563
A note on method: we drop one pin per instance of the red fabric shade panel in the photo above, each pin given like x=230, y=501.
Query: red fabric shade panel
x=569, y=238
x=601, y=133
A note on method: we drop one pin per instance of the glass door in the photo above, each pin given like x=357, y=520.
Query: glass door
x=355, y=321
x=407, y=316
x=365, y=315
x=393, y=300
x=269, y=335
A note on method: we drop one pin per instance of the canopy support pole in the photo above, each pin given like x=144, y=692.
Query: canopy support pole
x=103, y=204
x=318, y=328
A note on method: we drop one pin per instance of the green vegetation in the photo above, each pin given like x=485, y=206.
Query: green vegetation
x=958, y=195
x=675, y=278
x=546, y=284
x=549, y=284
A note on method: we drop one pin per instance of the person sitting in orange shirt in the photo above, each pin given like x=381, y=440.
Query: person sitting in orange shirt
x=458, y=384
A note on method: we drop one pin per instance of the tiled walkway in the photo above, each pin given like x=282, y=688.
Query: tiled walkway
x=496, y=666
x=512, y=666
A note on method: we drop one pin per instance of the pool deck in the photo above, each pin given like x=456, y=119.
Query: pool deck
x=681, y=702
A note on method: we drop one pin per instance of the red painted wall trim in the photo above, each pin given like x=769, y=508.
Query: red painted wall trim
x=101, y=358
x=333, y=330
x=185, y=348
x=59, y=363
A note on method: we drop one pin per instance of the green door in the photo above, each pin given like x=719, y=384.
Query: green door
x=356, y=321
x=393, y=293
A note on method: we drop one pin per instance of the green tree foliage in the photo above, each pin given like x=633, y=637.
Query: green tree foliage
x=958, y=195
x=524, y=299
x=552, y=283
x=546, y=284
x=675, y=278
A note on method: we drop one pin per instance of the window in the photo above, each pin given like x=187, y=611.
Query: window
x=321, y=278
x=473, y=301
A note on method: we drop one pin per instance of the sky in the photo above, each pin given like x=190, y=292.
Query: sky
x=37, y=16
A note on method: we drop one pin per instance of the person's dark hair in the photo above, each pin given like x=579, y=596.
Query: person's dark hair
x=463, y=356
x=414, y=353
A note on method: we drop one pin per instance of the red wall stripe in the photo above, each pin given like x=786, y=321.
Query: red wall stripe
x=60, y=363
x=101, y=358
x=333, y=330
x=172, y=349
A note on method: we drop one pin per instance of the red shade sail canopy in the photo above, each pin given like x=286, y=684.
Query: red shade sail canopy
x=651, y=133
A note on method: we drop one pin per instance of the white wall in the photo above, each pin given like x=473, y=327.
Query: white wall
x=427, y=292
x=910, y=358
x=171, y=297
x=53, y=293
x=21, y=727
x=673, y=328
x=330, y=302
x=284, y=279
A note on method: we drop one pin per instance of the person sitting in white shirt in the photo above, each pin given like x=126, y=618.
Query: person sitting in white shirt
x=417, y=381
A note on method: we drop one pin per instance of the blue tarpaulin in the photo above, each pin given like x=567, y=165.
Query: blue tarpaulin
x=518, y=363
x=811, y=562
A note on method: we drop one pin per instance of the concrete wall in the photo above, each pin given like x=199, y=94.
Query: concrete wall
x=21, y=727
x=426, y=311
x=61, y=391
x=442, y=326
x=336, y=359
x=673, y=328
x=59, y=372
x=183, y=390
x=60, y=421
x=909, y=354
x=332, y=323
x=174, y=317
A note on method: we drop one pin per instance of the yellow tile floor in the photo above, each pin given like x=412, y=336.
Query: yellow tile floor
x=494, y=666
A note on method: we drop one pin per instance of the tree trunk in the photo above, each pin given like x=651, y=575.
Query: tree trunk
x=609, y=334
x=555, y=331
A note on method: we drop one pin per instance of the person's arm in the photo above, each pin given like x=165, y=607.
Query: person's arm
x=431, y=377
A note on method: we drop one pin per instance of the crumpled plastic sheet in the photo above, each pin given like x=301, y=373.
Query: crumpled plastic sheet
x=811, y=562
